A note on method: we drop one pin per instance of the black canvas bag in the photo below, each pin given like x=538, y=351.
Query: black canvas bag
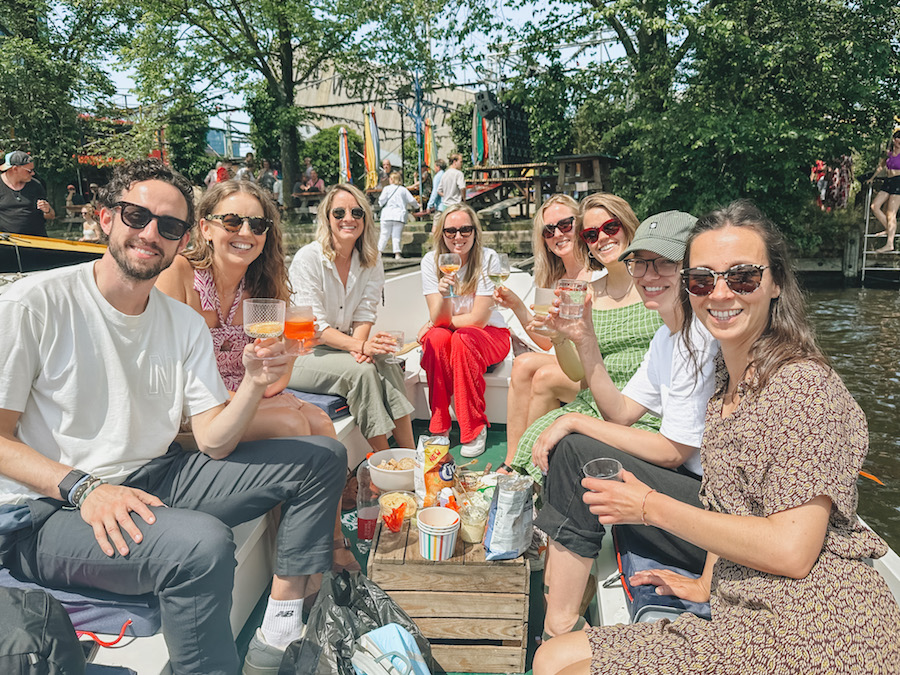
x=37, y=636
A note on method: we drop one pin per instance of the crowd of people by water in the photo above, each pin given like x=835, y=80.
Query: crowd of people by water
x=688, y=359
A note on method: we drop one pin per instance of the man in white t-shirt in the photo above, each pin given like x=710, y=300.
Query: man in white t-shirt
x=95, y=380
x=453, y=185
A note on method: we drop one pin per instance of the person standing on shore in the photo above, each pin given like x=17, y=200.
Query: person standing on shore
x=24, y=208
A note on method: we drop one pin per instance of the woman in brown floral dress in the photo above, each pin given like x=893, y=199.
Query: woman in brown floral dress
x=786, y=576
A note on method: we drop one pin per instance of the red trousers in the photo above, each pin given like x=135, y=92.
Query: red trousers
x=455, y=362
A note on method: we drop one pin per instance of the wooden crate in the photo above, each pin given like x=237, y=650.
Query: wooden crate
x=474, y=612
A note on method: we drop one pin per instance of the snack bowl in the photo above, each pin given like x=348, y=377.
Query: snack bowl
x=391, y=500
x=386, y=479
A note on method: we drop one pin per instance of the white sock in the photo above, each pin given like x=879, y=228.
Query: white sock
x=283, y=622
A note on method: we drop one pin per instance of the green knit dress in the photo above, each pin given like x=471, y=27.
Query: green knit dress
x=624, y=335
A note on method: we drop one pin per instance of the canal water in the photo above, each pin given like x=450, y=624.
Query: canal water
x=859, y=329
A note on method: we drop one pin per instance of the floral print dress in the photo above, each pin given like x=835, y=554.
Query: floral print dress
x=799, y=437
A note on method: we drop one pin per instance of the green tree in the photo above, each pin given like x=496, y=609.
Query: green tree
x=268, y=47
x=460, y=122
x=50, y=54
x=323, y=149
x=186, y=130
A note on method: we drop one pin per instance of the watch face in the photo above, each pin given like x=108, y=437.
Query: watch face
x=67, y=483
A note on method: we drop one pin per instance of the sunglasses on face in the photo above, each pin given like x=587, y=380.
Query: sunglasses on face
x=564, y=225
x=740, y=279
x=232, y=222
x=610, y=228
x=637, y=267
x=137, y=218
x=356, y=213
x=465, y=230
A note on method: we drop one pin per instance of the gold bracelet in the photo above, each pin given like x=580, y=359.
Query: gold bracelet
x=644, y=505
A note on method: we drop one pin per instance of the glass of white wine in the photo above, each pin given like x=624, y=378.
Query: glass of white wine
x=264, y=317
x=449, y=263
x=499, y=270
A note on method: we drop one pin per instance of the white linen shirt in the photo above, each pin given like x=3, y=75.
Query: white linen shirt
x=394, y=201
x=316, y=283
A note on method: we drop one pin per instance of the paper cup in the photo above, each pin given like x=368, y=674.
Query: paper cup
x=438, y=529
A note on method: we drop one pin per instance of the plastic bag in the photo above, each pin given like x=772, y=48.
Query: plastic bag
x=509, y=526
x=389, y=650
x=349, y=605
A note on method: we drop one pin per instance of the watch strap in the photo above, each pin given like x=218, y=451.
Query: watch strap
x=69, y=482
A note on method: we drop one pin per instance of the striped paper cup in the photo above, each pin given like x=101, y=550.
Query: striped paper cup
x=438, y=529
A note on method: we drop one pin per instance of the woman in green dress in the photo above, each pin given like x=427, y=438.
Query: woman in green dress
x=624, y=327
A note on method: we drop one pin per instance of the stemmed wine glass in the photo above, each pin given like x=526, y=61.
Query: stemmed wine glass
x=299, y=325
x=264, y=317
x=499, y=270
x=449, y=263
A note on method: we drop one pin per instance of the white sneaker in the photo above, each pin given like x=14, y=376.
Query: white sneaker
x=475, y=447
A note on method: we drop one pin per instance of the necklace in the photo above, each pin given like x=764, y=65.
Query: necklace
x=614, y=298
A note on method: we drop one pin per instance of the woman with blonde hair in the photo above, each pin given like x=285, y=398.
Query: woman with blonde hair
x=623, y=326
x=341, y=276
x=537, y=384
x=464, y=334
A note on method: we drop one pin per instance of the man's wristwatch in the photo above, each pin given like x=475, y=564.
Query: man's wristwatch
x=67, y=483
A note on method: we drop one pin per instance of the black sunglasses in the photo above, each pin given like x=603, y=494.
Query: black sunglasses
x=357, y=213
x=233, y=222
x=138, y=217
x=637, y=267
x=465, y=230
x=610, y=228
x=740, y=279
x=564, y=225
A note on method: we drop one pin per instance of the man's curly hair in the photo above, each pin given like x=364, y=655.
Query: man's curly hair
x=126, y=175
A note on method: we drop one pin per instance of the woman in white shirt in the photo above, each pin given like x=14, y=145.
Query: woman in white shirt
x=341, y=276
x=394, y=200
x=464, y=334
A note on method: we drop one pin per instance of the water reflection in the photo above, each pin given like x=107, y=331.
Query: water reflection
x=859, y=329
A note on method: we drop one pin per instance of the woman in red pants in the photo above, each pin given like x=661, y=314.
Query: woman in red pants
x=464, y=334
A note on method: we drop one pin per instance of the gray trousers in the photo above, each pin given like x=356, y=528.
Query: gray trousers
x=567, y=519
x=186, y=558
x=375, y=392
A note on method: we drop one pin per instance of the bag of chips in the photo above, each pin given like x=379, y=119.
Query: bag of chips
x=434, y=470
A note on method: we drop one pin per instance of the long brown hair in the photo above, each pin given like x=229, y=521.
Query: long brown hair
x=366, y=244
x=549, y=267
x=787, y=337
x=266, y=277
x=618, y=208
x=469, y=281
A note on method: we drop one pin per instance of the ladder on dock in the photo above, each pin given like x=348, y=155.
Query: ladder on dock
x=872, y=261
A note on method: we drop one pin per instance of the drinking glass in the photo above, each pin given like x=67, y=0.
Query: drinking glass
x=299, y=325
x=604, y=468
x=499, y=272
x=543, y=298
x=397, y=336
x=263, y=317
x=571, y=297
x=449, y=263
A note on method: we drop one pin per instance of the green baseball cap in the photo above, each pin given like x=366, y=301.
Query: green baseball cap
x=665, y=234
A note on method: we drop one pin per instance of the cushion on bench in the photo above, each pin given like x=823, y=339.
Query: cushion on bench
x=335, y=406
x=644, y=605
x=99, y=611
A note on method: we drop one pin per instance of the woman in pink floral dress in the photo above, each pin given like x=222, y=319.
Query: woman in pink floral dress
x=786, y=577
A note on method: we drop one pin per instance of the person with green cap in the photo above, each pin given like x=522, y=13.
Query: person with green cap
x=669, y=383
